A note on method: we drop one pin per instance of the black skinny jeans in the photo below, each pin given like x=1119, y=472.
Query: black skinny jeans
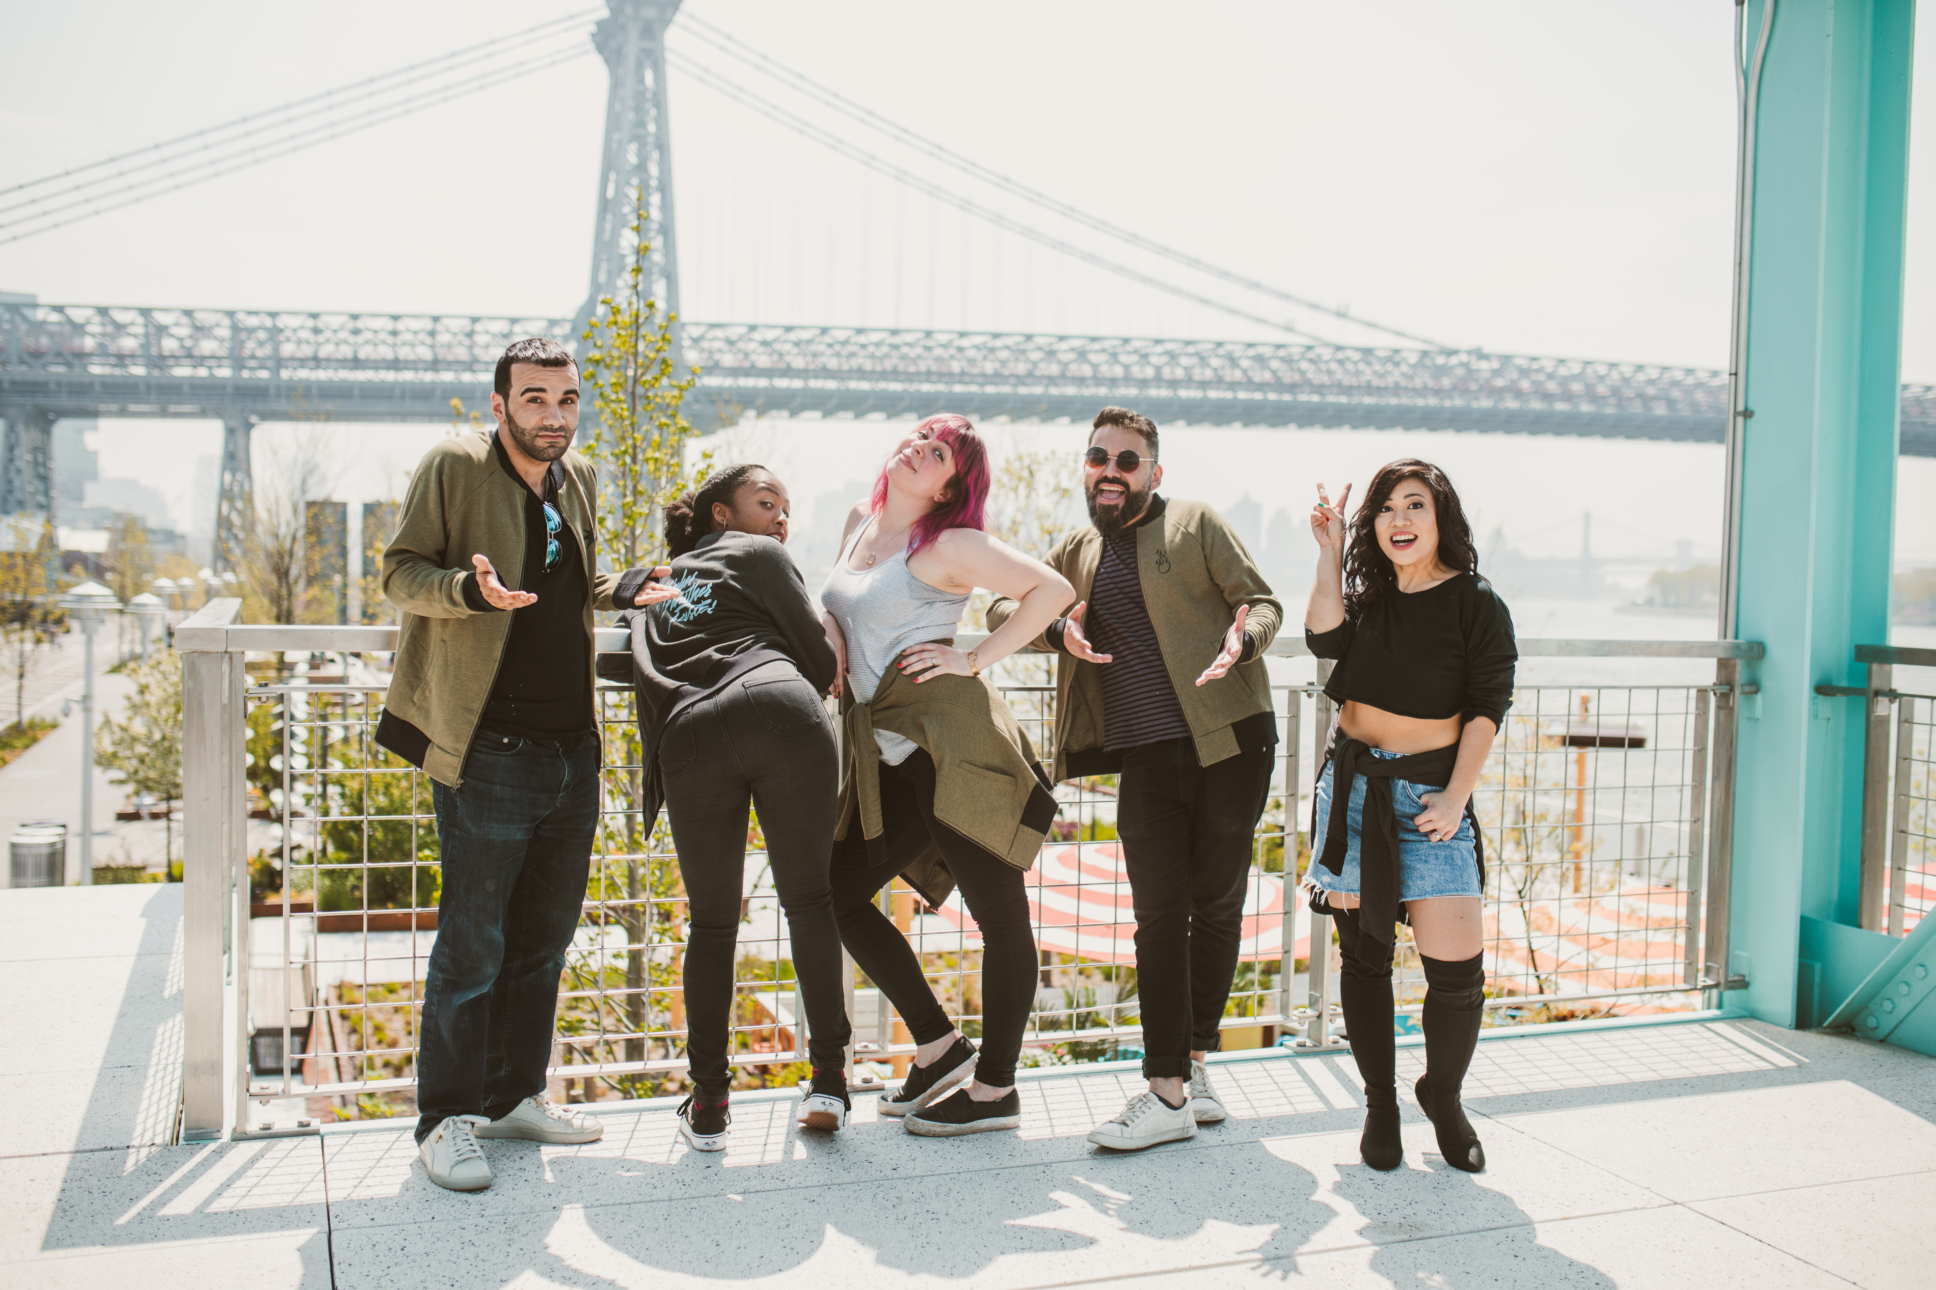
x=994, y=892
x=1186, y=833
x=766, y=739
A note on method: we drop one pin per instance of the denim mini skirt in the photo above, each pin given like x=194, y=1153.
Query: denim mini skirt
x=1426, y=868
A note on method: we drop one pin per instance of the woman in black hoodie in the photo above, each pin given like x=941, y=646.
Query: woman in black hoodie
x=730, y=679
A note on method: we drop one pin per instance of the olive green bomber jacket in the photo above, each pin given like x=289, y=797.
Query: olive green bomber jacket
x=989, y=786
x=465, y=499
x=1194, y=573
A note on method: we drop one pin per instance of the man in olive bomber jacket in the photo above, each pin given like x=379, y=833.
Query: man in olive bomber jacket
x=494, y=572
x=1160, y=678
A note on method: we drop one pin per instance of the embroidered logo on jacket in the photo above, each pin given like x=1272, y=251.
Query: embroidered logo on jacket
x=1162, y=559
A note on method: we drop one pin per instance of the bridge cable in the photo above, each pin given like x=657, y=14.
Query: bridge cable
x=731, y=45
x=738, y=93
x=297, y=130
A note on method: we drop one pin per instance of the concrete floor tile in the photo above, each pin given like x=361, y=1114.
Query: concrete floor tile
x=1875, y=1232
x=66, y=924
x=284, y=1261
x=1668, y=1249
x=87, y=1111
x=1726, y=1144
x=87, y=1013
x=376, y=1179
x=68, y=1205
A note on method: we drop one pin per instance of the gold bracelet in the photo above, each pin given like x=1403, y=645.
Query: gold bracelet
x=974, y=667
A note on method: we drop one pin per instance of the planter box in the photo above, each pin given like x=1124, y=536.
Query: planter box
x=379, y=920
x=273, y=908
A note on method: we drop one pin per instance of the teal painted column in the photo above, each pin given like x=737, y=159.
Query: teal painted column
x=1817, y=460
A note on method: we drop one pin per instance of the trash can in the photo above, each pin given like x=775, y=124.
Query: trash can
x=37, y=854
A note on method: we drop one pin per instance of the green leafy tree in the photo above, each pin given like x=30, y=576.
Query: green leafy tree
x=142, y=749
x=30, y=621
x=639, y=443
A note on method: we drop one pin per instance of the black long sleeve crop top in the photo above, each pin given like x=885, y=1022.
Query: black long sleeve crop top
x=1444, y=652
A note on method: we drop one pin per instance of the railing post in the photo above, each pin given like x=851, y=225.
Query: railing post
x=1720, y=850
x=212, y=806
x=1875, y=798
x=1696, y=841
x=1288, y=875
x=1317, y=1030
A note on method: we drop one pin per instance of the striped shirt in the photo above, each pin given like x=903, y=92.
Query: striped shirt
x=1138, y=702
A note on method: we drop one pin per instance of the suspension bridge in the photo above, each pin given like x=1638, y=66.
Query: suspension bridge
x=245, y=367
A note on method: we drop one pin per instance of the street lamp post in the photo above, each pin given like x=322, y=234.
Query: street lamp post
x=147, y=609
x=88, y=604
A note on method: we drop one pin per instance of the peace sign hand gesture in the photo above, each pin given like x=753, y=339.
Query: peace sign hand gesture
x=1327, y=520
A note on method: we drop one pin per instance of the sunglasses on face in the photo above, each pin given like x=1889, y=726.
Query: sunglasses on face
x=1126, y=461
x=554, y=525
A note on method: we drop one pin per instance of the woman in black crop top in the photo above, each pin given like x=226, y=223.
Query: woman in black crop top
x=1423, y=677
x=730, y=678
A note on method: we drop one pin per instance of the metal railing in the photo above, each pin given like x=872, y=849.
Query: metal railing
x=1606, y=812
x=1898, y=873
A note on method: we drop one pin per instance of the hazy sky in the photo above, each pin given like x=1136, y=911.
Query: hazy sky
x=1527, y=176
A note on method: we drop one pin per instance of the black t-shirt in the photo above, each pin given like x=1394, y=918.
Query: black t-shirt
x=1444, y=652
x=543, y=688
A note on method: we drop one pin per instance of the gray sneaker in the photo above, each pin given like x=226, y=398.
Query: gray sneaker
x=1204, y=1103
x=1145, y=1122
x=536, y=1119
x=452, y=1157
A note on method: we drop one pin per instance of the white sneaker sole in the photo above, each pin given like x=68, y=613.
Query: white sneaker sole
x=701, y=1141
x=824, y=1114
x=942, y=1087
x=1207, y=1110
x=1180, y=1133
x=532, y=1133
x=921, y=1128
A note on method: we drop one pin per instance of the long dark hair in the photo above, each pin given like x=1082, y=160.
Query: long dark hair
x=689, y=516
x=1368, y=571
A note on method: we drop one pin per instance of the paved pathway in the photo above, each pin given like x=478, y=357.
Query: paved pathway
x=1717, y=1153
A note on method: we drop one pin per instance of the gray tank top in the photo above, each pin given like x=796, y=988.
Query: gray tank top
x=882, y=611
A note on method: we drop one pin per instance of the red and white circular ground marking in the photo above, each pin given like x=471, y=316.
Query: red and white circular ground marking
x=1080, y=903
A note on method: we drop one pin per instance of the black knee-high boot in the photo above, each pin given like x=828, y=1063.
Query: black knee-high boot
x=1455, y=994
x=1365, y=993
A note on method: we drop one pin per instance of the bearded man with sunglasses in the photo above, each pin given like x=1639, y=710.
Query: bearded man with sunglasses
x=494, y=572
x=1161, y=680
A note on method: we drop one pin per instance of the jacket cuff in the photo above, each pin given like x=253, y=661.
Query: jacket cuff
x=1249, y=650
x=1053, y=634
x=629, y=583
x=474, y=598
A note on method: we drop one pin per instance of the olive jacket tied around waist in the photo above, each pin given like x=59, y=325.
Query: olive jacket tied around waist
x=989, y=786
x=1378, y=862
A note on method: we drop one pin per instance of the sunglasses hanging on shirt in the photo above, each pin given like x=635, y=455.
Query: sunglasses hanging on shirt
x=554, y=525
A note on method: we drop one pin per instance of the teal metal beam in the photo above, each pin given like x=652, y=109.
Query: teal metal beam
x=1893, y=1003
x=1816, y=460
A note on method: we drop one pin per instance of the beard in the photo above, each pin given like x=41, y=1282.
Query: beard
x=1112, y=518
x=526, y=438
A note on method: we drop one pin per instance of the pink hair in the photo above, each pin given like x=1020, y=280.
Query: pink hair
x=970, y=502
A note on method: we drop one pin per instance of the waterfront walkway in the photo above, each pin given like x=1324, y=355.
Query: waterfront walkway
x=1720, y=1152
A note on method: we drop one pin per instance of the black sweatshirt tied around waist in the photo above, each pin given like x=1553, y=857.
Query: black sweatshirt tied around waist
x=1378, y=864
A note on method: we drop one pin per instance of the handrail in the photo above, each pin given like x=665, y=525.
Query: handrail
x=1897, y=655
x=196, y=635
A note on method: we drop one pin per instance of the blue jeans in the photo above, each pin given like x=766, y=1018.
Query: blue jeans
x=1426, y=869
x=517, y=848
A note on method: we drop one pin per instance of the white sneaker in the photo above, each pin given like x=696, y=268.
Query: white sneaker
x=452, y=1157
x=1145, y=1122
x=536, y=1120
x=821, y=1111
x=1205, y=1105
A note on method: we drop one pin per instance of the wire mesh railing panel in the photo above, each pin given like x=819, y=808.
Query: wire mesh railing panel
x=1590, y=810
x=1910, y=881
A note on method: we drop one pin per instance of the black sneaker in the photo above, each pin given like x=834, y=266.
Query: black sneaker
x=703, y=1124
x=823, y=1103
x=953, y=1116
x=926, y=1083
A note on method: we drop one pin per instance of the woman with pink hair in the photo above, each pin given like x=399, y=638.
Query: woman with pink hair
x=939, y=784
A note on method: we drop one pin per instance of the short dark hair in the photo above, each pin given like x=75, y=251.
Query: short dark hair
x=1128, y=420
x=689, y=516
x=541, y=350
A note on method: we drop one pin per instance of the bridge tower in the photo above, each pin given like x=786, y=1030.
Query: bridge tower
x=28, y=482
x=638, y=153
